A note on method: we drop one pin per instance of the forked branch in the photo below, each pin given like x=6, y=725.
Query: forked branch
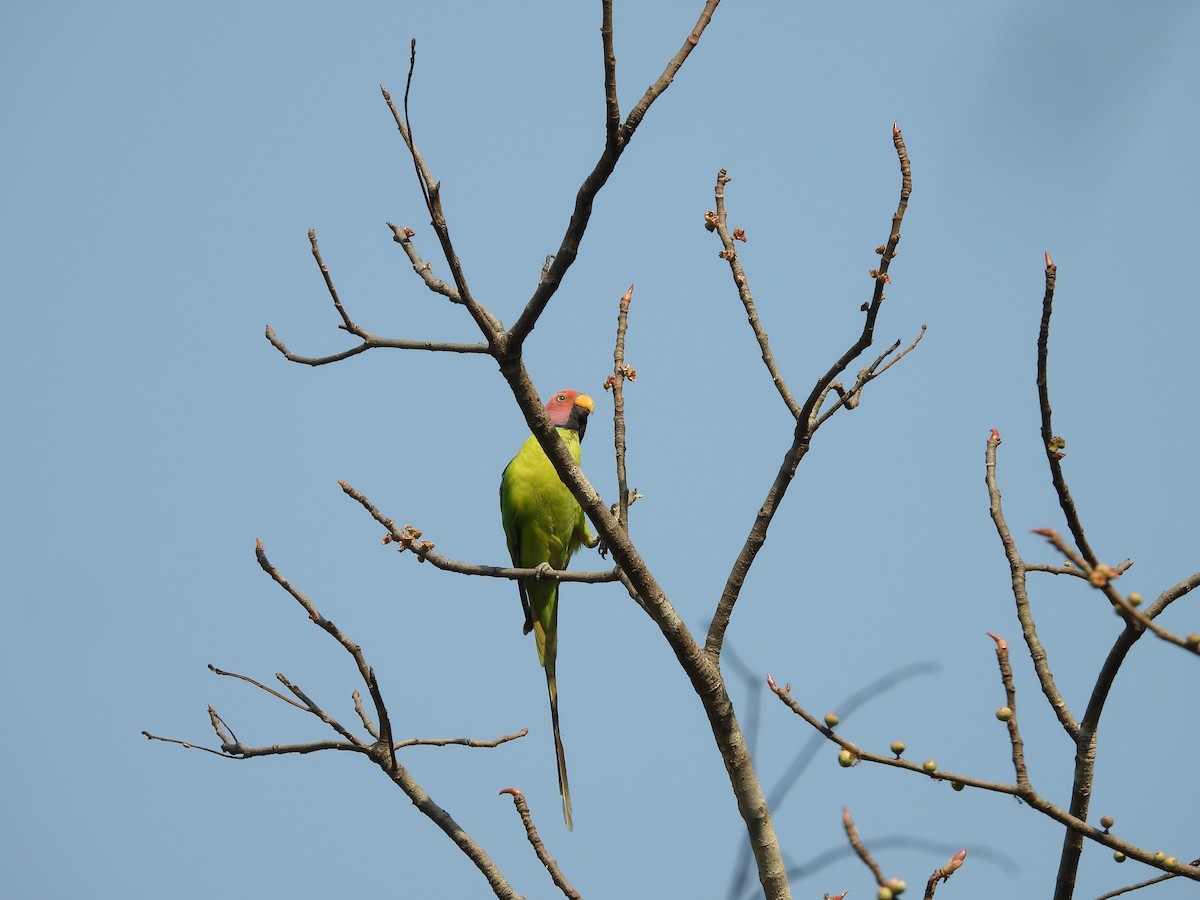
x=808, y=418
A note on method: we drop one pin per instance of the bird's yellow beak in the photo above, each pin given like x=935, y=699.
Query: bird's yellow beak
x=586, y=402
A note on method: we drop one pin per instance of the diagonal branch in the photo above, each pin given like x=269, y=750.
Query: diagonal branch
x=539, y=846
x=408, y=538
x=1010, y=699
x=1100, y=576
x=703, y=673
x=1052, y=446
x=621, y=372
x=612, y=109
x=719, y=221
x=369, y=341
x=431, y=190
x=365, y=671
x=860, y=848
x=807, y=421
x=1016, y=566
x=568, y=249
x=1030, y=796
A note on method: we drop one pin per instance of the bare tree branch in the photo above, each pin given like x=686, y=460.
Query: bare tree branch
x=719, y=221
x=621, y=373
x=1027, y=794
x=365, y=672
x=1010, y=697
x=539, y=847
x=1050, y=443
x=612, y=108
x=431, y=190
x=807, y=421
x=1016, y=565
x=860, y=848
x=1130, y=888
x=257, y=684
x=368, y=340
x=1101, y=576
x=403, y=237
x=613, y=148
x=408, y=538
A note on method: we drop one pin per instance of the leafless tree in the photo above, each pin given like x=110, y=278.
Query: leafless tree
x=837, y=388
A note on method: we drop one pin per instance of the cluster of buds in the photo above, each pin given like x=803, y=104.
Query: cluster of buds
x=625, y=371
x=407, y=540
x=1056, y=447
x=739, y=234
x=880, y=276
x=1102, y=575
x=710, y=220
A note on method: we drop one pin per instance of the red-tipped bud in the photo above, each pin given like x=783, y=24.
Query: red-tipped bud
x=954, y=865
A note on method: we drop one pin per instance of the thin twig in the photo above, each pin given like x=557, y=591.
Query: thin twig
x=408, y=538
x=257, y=684
x=807, y=421
x=320, y=713
x=431, y=191
x=1101, y=577
x=568, y=248
x=560, y=880
x=621, y=372
x=185, y=744
x=368, y=340
x=1016, y=565
x=403, y=237
x=850, y=398
x=1010, y=697
x=860, y=848
x=1130, y=888
x=462, y=742
x=1052, y=447
x=612, y=109
x=720, y=223
x=1028, y=795
x=365, y=671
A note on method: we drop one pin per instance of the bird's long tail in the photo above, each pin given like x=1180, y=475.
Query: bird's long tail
x=564, y=787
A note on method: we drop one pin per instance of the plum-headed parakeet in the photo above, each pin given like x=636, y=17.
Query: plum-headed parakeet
x=544, y=526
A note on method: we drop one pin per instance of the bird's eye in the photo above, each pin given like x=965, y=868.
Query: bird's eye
x=561, y=398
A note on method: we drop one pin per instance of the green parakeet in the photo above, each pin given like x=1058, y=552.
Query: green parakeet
x=544, y=526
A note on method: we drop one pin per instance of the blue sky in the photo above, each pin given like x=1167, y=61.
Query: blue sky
x=162, y=164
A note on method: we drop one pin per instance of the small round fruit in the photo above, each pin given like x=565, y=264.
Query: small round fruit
x=1106, y=822
x=1193, y=639
x=897, y=747
x=1170, y=863
x=885, y=893
x=1135, y=599
x=1159, y=856
x=832, y=720
x=897, y=886
x=845, y=759
x=957, y=785
x=1004, y=713
x=929, y=766
x=1118, y=856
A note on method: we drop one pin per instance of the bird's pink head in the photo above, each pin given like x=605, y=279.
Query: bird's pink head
x=570, y=409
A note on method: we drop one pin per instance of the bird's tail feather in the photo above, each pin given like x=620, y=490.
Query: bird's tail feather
x=564, y=787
